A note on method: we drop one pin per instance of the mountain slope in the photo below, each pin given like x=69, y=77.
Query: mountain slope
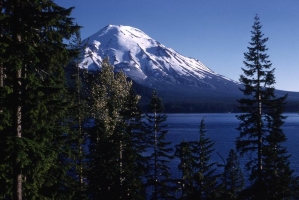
x=177, y=78
x=141, y=58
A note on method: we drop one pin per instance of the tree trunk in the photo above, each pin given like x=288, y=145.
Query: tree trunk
x=260, y=140
x=1, y=75
x=80, y=128
x=259, y=128
x=17, y=132
x=17, y=116
x=1, y=80
x=1, y=65
x=155, y=155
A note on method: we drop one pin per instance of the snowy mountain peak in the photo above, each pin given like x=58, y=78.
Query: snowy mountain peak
x=144, y=59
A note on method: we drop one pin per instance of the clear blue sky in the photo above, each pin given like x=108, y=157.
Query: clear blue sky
x=216, y=32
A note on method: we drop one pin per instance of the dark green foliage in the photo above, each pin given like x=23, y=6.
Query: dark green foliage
x=135, y=144
x=199, y=179
x=260, y=127
x=33, y=100
x=278, y=178
x=187, y=167
x=232, y=177
x=158, y=179
x=206, y=179
x=78, y=117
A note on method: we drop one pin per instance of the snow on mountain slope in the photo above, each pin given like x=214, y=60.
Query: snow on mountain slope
x=142, y=58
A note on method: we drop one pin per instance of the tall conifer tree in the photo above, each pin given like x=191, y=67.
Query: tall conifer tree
x=158, y=178
x=205, y=177
x=260, y=126
x=31, y=125
x=187, y=167
x=78, y=114
x=233, y=178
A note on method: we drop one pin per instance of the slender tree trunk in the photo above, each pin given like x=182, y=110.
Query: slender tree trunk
x=1, y=64
x=17, y=131
x=259, y=128
x=80, y=128
x=155, y=156
x=1, y=80
x=120, y=168
x=1, y=75
x=17, y=113
x=260, y=140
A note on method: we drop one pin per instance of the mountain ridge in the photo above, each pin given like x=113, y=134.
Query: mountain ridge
x=140, y=56
x=177, y=78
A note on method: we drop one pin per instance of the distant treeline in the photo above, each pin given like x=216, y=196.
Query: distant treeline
x=212, y=105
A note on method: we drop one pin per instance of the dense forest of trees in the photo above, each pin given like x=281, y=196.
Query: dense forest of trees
x=68, y=133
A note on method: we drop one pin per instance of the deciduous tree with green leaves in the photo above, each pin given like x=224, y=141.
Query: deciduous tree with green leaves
x=115, y=154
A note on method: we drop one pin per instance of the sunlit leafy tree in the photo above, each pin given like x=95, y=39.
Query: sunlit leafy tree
x=114, y=154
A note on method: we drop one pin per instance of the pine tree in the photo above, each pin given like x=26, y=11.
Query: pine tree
x=232, y=177
x=258, y=79
x=260, y=128
x=31, y=121
x=158, y=179
x=135, y=144
x=187, y=164
x=206, y=179
x=78, y=116
x=278, y=177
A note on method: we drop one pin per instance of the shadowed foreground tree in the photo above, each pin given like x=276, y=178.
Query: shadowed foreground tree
x=78, y=117
x=33, y=100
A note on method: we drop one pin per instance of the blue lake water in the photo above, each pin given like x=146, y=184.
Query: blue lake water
x=221, y=128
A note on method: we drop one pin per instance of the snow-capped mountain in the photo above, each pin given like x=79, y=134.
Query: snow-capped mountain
x=177, y=78
x=143, y=58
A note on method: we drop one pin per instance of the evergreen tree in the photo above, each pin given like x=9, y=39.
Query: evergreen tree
x=32, y=119
x=260, y=126
x=158, y=179
x=232, y=177
x=278, y=178
x=206, y=179
x=135, y=145
x=78, y=114
x=187, y=164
